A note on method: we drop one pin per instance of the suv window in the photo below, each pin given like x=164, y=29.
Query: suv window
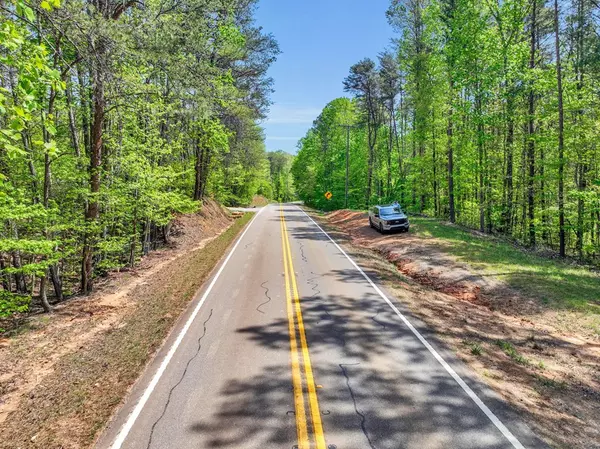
x=392, y=210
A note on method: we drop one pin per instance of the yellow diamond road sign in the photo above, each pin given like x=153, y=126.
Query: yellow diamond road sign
x=328, y=195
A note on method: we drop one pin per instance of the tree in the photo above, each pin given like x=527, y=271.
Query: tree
x=281, y=179
x=364, y=82
x=561, y=138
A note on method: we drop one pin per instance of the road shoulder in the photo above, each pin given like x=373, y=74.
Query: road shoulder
x=81, y=389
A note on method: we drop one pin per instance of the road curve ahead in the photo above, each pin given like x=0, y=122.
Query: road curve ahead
x=291, y=345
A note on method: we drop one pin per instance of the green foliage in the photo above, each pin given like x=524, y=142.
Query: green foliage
x=475, y=348
x=319, y=166
x=460, y=122
x=114, y=120
x=510, y=351
x=282, y=185
x=11, y=304
x=550, y=383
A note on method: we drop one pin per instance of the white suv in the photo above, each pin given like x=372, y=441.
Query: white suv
x=388, y=218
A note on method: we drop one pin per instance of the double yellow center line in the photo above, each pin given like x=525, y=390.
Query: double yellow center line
x=308, y=426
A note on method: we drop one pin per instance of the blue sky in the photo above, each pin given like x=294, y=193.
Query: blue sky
x=319, y=41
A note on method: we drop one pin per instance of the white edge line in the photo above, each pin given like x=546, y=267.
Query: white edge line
x=163, y=366
x=484, y=408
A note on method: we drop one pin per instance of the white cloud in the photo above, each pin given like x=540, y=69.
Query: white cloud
x=286, y=113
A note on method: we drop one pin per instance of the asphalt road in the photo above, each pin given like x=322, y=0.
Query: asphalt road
x=291, y=345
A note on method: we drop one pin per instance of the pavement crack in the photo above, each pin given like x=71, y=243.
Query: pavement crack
x=363, y=419
x=267, y=295
x=316, y=292
x=248, y=244
x=302, y=252
x=314, y=285
x=379, y=322
x=164, y=411
x=316, y=295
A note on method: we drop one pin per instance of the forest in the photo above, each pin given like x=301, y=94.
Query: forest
x=114, y=116
x=482, y=113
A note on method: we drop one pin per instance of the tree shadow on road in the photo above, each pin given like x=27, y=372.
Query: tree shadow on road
x=380, y=386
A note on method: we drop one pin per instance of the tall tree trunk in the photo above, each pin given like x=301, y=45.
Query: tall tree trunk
x=582, y=167
x=561, y=142
x=543, y=204
x=72, y=122
x=372, y=141
x=26, y=138
x=369, y=170
x=581, y=186
x=531, y=134
x=422, y=198
x=93, y=209
x=20, y=280
x=402, y=149
x=53, y=270
x=205, y=172
x=57, y=282
x=450, y=133
x=546, y=235
x=509, y=195
x=481, y=193
x=200, y=155
x=488, y=190
x=134, y=225
x=85, y=109
x=414, y=157
x=43, y=294
x=434, y=156
x=390, y=148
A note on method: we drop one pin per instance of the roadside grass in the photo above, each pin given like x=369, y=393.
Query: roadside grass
x=511, y=351
x=475, y=348
x=71, y=405
x=546, y=382
x=557, y=284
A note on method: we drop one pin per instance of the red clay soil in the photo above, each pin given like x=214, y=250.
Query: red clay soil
x=552, y=373
x=425, y=261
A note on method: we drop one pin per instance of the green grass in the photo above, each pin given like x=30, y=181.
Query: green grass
x=550, y=383
x=475, y=347
x=555, y=283
x=511, y=351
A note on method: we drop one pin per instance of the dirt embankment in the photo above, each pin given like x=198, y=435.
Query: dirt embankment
x=62, y=374
x=542, y=360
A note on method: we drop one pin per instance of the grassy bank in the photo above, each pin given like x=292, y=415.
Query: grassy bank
x=70, y=405
x=557, y=284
